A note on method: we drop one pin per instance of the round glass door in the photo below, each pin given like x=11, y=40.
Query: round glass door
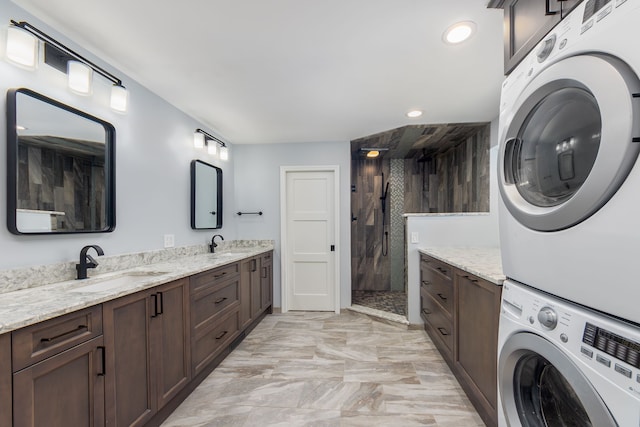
x=559, y=145
x=541, y=387
x=553, y=173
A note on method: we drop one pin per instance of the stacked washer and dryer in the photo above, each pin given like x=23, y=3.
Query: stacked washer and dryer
x=569, y=179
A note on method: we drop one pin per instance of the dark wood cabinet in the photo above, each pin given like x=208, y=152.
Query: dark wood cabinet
x=148, y=354
x=58, y=372
x=461, y=313
x=5, y=380
x=477, y=315
x=216, y=314
x=250, y=290
x=526, y=22
x=266, y=281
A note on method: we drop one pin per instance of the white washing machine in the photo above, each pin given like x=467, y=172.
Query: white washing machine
x=569, y=177
x=560, y=364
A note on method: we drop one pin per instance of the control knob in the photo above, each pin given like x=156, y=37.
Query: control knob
x=547, y=317
x=546, y=48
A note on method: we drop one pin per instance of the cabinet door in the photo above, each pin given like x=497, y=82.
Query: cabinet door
x=5, y=380
x=266, y=281
x=247, y=274
x=478, y=312
x=170, y=339
x=256, y=289
x=130, y=401
x=526, y=22
x=63, y=390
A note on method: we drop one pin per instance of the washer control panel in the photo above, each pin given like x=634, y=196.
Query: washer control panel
x=548, y=318
x=608, y=345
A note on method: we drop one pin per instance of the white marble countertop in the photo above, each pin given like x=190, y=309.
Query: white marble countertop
x=485, y=263
x=25, y=307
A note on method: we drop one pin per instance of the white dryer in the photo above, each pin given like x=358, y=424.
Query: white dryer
x=562, y=365
x=568, y=167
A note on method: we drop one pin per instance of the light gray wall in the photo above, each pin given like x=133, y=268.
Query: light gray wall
x=257, y=188
x=154, y=147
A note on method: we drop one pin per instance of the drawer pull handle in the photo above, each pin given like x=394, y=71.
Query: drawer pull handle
x=217, y=276
x=443, y=331
x=221, y=335
x=103, y=361
x=442, y=270
x=426, y=283
x=471, y=279
x=425, y=312
x=219, y=300
x=442, y=297
x=64, y=334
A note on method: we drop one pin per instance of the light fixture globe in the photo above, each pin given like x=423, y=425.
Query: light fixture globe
x=119, y=98
x=198, y=140
x=80, y=77
x=212, y=147
x=22, y=47
x=224, y=153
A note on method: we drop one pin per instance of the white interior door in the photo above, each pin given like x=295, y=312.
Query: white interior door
x=309, y=240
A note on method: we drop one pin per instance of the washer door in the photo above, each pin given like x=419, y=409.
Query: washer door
x=571, y=142
x=540, y=387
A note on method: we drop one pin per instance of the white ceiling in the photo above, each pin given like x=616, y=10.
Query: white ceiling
x=266, y=71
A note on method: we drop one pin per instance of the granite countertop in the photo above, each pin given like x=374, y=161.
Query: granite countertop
x=485, y=263
x=25, y=307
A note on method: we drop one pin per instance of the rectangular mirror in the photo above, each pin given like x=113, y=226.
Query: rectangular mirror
x=206, y=196
x=60, y=167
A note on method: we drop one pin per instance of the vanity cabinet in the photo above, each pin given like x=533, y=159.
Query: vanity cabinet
x=461, y=313
x=5, y=380
x=58, y=371
x=216, y=313
x=266, y=281
x=526, y=22
x=148, y=353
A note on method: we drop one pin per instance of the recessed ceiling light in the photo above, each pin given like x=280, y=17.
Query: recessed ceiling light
x=414, y=113
x=459, y=32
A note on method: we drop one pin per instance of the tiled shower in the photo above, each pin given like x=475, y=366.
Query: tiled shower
x=443, y=169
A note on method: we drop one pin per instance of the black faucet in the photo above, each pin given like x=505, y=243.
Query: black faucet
x=87, y=261
x=213, y=244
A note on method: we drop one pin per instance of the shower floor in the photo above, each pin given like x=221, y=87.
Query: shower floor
x=392, y=302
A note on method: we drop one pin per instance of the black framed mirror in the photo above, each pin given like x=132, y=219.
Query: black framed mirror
x=60, y=167
x=206, y=196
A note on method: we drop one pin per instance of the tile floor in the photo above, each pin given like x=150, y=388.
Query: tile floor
x=392, y=302
x=322, y=369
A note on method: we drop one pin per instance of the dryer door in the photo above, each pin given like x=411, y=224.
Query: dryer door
x=571, y=141
x=540, y=386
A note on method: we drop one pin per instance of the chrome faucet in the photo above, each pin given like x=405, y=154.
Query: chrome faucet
x=87, y=261
x=213, y=244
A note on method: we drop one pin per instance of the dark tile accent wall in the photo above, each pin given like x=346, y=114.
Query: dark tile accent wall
x=369, y=269
x=455, y=180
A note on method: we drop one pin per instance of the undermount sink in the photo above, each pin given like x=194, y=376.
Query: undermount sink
x=102, y=284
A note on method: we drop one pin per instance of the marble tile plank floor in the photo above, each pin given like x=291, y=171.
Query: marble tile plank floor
x=324, y=370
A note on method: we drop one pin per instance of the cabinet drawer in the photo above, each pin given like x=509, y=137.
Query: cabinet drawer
x=42, y=340
x=439, y=286
x=212, y=304
x=440, y=324
x=209, y=342
x=433, y=269
x=200, y=282
x=267, y=259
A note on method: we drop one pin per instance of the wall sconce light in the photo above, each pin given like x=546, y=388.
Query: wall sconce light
x=202, y=138
x=22, y=48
